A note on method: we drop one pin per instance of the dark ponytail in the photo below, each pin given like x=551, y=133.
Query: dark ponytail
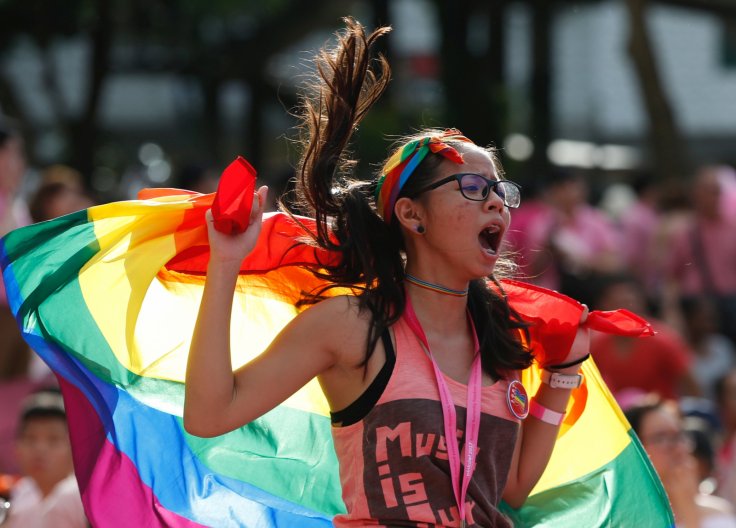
x=372, y=251
x=345, y=89
x=371, y=261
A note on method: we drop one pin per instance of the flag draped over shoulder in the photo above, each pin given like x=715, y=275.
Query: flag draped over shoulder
x=108, y=298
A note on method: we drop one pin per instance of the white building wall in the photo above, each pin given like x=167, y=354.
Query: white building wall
x=701, y=89
x=595, y=91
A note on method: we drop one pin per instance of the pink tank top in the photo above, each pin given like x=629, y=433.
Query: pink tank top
x=394, y=468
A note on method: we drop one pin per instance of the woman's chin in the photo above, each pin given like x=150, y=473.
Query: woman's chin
x=488, y=258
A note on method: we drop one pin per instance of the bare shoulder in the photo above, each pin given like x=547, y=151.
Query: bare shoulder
x=343, y=309
x=340, y=324
x=344, y=337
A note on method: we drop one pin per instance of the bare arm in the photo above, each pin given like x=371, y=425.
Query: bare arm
x=218, y=400
x=537, y=438
x=210, y=384
x=534, y=447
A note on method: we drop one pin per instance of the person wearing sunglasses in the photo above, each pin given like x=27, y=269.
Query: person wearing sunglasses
x=426, y=347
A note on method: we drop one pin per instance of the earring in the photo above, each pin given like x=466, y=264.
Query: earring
x=420, y=229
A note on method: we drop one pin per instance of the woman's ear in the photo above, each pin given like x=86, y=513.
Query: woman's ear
x=409, y=213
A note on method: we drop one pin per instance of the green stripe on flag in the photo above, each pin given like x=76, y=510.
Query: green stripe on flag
x=46, y=259
x=43, y=255
x=268, y=454
x=621, y=493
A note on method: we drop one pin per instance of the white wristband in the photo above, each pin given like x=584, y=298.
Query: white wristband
x=561, y=381
x=540, y=412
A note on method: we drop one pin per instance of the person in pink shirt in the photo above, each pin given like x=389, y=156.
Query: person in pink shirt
x=639, y=226
x=520, y=237
x=727, y=177
x=703, y=251
x=572, y=242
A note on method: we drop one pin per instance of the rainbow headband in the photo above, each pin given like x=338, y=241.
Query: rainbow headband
x=405, y=160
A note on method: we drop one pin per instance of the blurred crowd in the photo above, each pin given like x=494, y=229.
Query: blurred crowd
x=667, y=252
x=663, y=250
x=37, y=485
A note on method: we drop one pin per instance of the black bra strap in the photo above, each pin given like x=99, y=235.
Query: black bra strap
x=360, y=408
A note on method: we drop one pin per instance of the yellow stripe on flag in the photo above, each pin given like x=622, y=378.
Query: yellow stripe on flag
x=601, y=427
x=147, y=313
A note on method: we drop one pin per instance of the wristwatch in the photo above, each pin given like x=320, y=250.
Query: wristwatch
x=562, y=381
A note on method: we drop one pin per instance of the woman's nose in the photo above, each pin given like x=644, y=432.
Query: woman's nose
x=493, y=200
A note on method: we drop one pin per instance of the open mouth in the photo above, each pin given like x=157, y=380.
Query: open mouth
x=490, y=239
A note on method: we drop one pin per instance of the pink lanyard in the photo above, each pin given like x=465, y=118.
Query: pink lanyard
x=472, y=421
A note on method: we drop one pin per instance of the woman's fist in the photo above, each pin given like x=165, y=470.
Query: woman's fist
x=233, y=248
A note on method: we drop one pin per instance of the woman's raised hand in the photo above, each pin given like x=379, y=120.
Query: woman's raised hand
x=233, y=248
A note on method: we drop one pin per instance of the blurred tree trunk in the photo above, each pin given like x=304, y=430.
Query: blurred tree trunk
x=259, y=95
x=466, y=72
x=458, y=79
x=496, y=65
x=668, y=148
x=382, y=17
x=84, y=130
x=10, y=107
x=271, y=37
x=211, y=121
x=541, y=116
x=43, y=23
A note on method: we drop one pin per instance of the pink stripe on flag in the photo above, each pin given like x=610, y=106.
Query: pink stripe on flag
x=112, y=492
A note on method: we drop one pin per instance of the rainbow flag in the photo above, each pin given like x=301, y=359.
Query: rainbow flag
x=108, y=298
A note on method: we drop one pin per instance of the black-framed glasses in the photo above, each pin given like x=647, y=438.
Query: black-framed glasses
x=476, y=187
